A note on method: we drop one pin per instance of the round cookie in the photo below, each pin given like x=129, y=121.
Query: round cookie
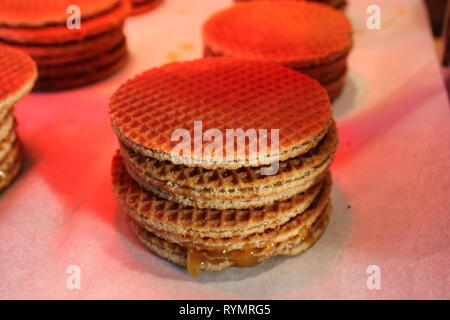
x=40, y=13
x=223, y=93
x=195, y=261
x=296, y=34
x=171, y=217
x=51, y=55
x=18, y=73
x=309, y=37
x=261, y=239
x=59, y=33
x=225, y=189
x=103, y=58
x=80, y=80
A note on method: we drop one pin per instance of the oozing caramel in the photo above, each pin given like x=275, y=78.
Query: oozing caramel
x=195, y=259
x=244, y=258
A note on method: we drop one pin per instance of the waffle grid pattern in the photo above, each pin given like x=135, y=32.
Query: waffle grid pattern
x=291, y=33
x=173, y=215
x=179, y=254
x=256, y=239
x=244, y=177
x=16, y=71
x=58, y=34
x=220, y=92
x=39, y=13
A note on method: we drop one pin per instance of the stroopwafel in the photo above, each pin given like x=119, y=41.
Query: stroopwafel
x=238, y=188
x=205, y=210
x=243, y=247
x=220, y=92
x=307, y=36
x=18, y=73
x=92, y=49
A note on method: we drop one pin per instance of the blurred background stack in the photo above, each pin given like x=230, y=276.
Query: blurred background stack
x=439, y=17
x=141, y=6
x=73, y=44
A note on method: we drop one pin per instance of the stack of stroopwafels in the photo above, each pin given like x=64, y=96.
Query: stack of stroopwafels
x=140, y=6
x=205, y=211
x=338, y=4
x=68, y=54
x=306, y=36
x=17, y=76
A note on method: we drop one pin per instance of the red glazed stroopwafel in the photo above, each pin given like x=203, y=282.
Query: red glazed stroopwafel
x=210, y=213
x=17, y=75
x=54, y=34
x=215, y=239
x=302, y=35
x=40, y=13
x=224, y=94
x=69, y=58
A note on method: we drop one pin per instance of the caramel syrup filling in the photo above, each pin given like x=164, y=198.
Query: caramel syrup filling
x=243, y=258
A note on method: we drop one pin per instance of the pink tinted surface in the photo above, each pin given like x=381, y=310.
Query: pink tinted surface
x=391, y=195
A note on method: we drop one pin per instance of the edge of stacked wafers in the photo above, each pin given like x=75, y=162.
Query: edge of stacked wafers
x=338, y=4
x=18, y=73
x=141, y=6
x=213, y=217
x=68, y=56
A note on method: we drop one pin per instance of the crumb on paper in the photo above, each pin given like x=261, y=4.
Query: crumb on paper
x=187, y=46
x=173, y=56
x=400, y=10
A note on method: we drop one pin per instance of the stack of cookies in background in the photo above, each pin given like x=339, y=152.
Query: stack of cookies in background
x=140, y=6
x=17, y=76
x=338, y=4
x=310, y=37
x=200, y=209
x=68, y=54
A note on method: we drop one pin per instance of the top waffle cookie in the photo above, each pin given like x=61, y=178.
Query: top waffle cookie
x=39, y=13
x=224, y=94
x=98, y=17
x=297, y=34
x=17, y=75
